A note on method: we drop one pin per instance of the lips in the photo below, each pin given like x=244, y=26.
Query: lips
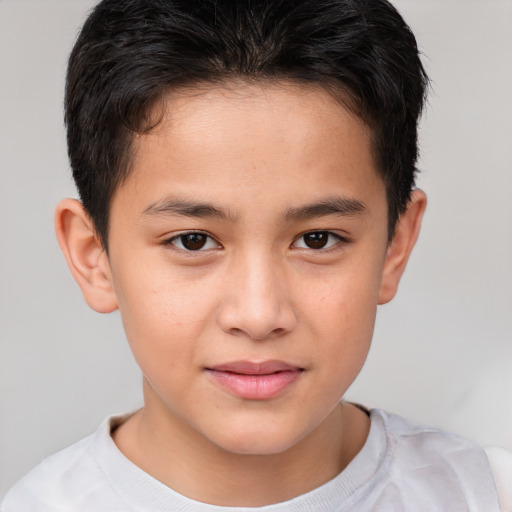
x=255, y=381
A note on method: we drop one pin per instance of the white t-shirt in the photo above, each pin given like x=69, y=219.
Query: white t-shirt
x=403, y=467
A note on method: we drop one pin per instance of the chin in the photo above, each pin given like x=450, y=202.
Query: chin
x=256, y=440
x=256, y=447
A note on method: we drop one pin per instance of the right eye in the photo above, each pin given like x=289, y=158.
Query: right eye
x=193, y=241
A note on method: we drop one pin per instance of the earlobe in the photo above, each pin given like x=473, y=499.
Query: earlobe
x=85, y=255
x=399, y=250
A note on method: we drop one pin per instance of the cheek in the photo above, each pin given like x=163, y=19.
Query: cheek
x=346, y=299
x=348, y=331
x=343, y=317
x=162, y=317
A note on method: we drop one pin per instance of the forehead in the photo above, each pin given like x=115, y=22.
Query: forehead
x=257, y=138
x=293, y=111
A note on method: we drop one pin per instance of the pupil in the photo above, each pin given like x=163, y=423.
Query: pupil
x=193, y=241
x=316, y=240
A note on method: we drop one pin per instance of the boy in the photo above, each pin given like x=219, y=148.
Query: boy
x=246, y=171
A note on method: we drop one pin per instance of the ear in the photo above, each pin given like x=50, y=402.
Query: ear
x=85, y=255
x=406, y=234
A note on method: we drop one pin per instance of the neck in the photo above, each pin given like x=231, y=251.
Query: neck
x=190, y=464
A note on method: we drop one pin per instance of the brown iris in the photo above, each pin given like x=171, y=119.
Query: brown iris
x=316, y=239
x=193, y=241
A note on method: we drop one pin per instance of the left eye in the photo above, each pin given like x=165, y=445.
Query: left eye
x=193, y=242
x=317, y=240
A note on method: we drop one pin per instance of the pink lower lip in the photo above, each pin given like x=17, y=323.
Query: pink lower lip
x=256, y=386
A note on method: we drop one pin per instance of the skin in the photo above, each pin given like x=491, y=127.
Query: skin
x=259, y=154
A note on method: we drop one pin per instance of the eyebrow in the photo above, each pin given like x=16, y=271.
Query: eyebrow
x=187, y=208
x=343, y=206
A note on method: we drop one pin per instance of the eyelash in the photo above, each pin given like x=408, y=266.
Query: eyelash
x=334, y=246
x=171, y=241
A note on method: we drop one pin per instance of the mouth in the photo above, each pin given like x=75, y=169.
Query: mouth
x=255, y=381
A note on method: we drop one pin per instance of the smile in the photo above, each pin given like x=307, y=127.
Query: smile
x=255, y=381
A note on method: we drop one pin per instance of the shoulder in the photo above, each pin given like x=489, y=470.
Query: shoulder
x=501, y=466
x=424, y=440
x=68, y=480
x=48, y=484
x=432, y=462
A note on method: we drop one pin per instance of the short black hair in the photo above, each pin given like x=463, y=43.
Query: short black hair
x=130, y=53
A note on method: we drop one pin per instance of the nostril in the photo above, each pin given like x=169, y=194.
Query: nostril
x=275, y=333
x=256, y=319
x=235, y=331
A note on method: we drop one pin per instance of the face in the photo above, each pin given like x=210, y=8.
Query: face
x=246, y=250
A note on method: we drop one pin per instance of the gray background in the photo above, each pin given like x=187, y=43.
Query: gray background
x=442, y=350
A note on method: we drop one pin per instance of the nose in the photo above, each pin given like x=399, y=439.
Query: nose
x=257, y=303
